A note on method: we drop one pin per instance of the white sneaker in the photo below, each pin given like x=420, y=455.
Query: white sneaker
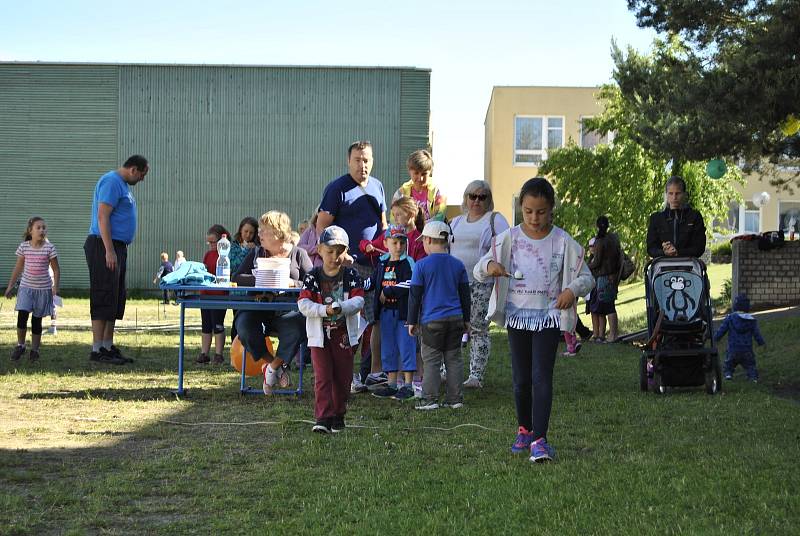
x=457, y=405
x=356, y=386
x=270, y=379
x=271, y=376
x=424, y=405
x=473, y=383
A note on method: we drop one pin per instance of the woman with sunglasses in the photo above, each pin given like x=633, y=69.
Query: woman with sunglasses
x=472, y=236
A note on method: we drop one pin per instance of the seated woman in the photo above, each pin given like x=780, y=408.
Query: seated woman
x=274, y=233
x=678, y=230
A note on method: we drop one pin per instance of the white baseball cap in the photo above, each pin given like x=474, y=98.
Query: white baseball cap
x=436, y=229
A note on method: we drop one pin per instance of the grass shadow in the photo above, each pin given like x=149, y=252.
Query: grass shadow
x=113, y=453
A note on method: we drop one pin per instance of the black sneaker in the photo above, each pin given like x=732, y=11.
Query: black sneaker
x=34, y=356
x=385, y=392
x=404, y=393
x=18, y=352
x=377, y=381
x=323, y=426
x=203, y=359
x=116, y=353
x=105, y=358
x=337, y=424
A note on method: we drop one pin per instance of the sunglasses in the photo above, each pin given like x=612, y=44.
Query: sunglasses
x=479, y=197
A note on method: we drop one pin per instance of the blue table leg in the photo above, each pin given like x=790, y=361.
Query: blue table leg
x=242, y=386
x=180, y=351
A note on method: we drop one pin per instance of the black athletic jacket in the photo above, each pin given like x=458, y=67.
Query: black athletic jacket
x=683, y=227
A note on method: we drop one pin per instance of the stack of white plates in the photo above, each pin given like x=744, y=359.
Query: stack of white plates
x=272, y=272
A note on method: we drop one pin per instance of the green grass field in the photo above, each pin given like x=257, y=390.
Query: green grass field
x=93, y=449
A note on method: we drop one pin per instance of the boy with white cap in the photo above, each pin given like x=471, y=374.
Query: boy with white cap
x=439, y=306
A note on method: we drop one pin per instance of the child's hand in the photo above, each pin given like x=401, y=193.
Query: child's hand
x=412, y=329
x=382, y=297
x=8, y=291
x=345, y=259
x=495, y=269
x=565, y=300
x=369, y=248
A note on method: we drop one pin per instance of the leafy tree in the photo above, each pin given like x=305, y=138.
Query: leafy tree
x=722, y=82
x=625, y=181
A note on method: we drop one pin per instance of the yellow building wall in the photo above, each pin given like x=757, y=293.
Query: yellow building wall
x=769, y=214
x=571, y=103
x=506, y=177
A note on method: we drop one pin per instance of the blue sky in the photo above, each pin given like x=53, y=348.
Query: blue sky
x=470, y=46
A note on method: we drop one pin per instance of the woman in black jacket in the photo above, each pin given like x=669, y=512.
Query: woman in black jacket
x=678, y=230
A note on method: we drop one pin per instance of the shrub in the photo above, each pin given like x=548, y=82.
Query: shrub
x=722, y=249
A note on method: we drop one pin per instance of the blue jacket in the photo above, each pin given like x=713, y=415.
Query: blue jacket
x=399, y=272
x=741, y=329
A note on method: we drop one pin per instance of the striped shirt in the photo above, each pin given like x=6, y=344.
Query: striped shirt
x=37, y=261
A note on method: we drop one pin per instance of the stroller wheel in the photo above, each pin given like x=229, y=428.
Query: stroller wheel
x=643, y=373
x=658, y=386
x=714, y=376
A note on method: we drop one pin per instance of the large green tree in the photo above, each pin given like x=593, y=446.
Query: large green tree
x=723, y=81
x=625, y=181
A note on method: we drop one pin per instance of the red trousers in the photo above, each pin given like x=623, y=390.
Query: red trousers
x=333, y=372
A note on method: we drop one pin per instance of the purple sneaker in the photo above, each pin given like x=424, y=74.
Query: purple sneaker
x=541, y=451
x=523, y=441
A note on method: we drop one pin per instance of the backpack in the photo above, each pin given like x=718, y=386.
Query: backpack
x=770, y=240
x=626, y=265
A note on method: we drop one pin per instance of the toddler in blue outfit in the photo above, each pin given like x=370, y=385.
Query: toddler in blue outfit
x=742, y=328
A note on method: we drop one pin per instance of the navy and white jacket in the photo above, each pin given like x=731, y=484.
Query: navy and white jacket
x=393, y=279
x=310, y=303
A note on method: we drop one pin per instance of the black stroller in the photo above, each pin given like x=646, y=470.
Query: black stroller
x=680, y=351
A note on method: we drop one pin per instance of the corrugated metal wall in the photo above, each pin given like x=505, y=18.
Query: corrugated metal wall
x=58, y=133
x=225, y=142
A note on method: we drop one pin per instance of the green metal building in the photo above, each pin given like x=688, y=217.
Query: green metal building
x=223, y=142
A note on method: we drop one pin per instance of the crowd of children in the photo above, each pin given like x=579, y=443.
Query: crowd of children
x=421, y=301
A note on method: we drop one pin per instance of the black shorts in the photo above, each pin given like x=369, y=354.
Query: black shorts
x=213, y=320
x=107, y=293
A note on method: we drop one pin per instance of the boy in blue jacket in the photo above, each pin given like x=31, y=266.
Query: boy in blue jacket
x=398, y=348
x=742, y=328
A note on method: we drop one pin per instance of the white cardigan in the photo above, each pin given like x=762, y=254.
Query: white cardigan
x=575, y=276
x=315, y=312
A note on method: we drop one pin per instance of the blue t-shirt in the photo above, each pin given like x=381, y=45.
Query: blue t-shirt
x=112, y=190
x=354, y=210
x=439, y=275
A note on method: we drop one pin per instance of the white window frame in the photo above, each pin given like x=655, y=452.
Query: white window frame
x=545, y=136
x=743, y=211
x=780, y=211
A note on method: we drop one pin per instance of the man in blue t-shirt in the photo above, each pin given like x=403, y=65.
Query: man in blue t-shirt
x=112, y=228
x=356, y=202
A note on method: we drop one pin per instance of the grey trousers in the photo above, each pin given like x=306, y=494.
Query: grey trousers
x=441, y=342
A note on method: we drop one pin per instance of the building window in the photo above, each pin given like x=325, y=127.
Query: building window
x=592, y=138
x=533, y=136
x=789, y=215
x=749, y=218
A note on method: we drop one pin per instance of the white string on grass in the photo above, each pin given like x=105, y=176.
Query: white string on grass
x=304, y=421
